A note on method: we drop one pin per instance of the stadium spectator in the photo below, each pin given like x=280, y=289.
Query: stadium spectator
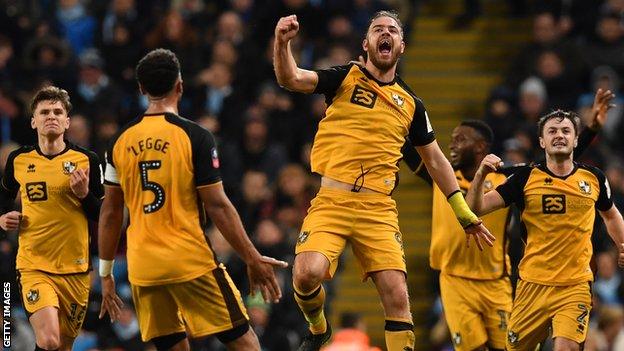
x=547, y=36
x=606, y=47
x=76, y=25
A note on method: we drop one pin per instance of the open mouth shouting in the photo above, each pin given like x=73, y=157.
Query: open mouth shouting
x=385, y=47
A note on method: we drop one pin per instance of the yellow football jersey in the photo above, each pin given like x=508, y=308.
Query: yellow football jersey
x=365, y=125
x=558, y=215
x=159, y=161
x=448, y=251
x=53, y=234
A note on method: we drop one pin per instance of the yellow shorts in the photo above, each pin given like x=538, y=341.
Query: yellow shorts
x=476, y=311
x=369, y=221
x=69, y=293
x=538, y=307
x=203, y=306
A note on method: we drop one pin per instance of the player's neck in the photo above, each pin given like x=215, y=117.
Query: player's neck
x=559, y=166
x=51, y=146
x=162, y=105
x=382, y=76
x=161, y=108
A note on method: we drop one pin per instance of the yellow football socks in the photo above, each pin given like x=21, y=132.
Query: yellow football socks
x=311, y=304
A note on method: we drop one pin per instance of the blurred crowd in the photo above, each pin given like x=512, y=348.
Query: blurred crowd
x=90, y=48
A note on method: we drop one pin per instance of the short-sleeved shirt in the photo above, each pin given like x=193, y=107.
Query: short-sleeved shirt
x=448, y=251
x=159, y=161
x=558, y=215
x=53, y=233
x=365, y=125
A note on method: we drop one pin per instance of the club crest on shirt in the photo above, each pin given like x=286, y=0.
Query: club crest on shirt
x=69, y=167
x=303, y=236
x=457, y=339
x=32, y=296
x=398, y=100
x=513, y=337
x=215, y=157
x=399, y=238
x=584, y=187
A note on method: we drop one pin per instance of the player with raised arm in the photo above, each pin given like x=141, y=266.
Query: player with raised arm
x=356, y=150
x=558, y=200
x=474, y=286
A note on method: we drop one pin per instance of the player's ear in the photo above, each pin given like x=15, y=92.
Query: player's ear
x=575, y=142
x=32, y=122
x=365, y=45
x=542, y=143
x=179, y=86
x=141, y=89
x=402, y=46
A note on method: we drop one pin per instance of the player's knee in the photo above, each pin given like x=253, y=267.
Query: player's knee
x=49, y=341
x=306, y=278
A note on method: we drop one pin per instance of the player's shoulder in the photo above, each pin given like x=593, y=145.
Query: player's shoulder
x=193, y=129
x=82, y=150
x=418, y=102
x=521, y=173
x=400, y=82
x=20, y=151
x=509, y=170
x=591, y=169
x=124, y=129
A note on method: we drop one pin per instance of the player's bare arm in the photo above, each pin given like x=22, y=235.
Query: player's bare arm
x=485, y=203
x=260, y=269
x=442, y=173
x=109, y=231
x=615, y=227
x=287, y=73
x=600, y=108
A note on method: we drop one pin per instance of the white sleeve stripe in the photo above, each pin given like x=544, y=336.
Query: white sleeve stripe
x=429, y=127
x=110, y=175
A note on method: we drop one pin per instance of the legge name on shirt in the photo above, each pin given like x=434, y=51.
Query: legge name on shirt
x=149, y=144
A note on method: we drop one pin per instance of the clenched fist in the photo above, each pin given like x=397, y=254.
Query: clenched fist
x=286, y=29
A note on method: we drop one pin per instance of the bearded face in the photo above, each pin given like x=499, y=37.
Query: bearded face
x=384, y=43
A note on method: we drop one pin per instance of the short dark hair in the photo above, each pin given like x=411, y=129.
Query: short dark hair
x=53, y=94
x=158, y=71
x=560, y=115
x=386, y=13
x=480, y=127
